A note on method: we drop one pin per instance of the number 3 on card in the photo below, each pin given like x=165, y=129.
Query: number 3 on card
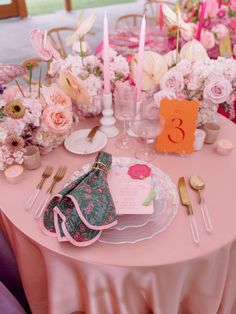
x=180, y=123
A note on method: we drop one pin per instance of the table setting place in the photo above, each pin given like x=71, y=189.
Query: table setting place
x=154, y=105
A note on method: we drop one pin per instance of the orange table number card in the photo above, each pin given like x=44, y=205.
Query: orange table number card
x=180, y=123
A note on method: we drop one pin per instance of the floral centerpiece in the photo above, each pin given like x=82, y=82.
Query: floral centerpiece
x=80, y=76
x=212, y=82
x=219, y=22
x=42, y=117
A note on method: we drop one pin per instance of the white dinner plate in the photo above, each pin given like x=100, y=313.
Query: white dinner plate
x=78, y=143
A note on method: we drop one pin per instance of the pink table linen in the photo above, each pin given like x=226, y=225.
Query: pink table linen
x=162, y=275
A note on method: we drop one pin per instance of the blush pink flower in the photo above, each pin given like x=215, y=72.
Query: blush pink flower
x=212, y=8
x=139, y=171
x=217, y=90
x=42, y=46
x=57, y=120
x=221, y=31
x=54, y=96
x=173, y=80
x=233, y=5
x=189, y=32
x=207, y=39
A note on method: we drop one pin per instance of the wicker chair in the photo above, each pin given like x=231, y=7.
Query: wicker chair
x=151, y=10
x=58, y=35
x=128, y=21
x=38, y=65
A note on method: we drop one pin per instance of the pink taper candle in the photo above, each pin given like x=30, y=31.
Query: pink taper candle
x=106, y=61
x=139, y=74
x=201, y=19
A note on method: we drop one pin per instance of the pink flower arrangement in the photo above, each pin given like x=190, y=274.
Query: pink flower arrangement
x=29, y=118
x=218, y=23
x=88, y=71
x=212, y=82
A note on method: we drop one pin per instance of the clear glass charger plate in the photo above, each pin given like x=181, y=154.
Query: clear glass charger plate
x=135, y=228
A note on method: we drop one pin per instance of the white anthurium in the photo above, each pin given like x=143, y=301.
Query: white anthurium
x=83, y=28
x=193, y=51
x=175, y=19
x=154, y=67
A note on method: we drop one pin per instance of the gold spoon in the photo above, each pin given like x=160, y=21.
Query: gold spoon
x=198, y=184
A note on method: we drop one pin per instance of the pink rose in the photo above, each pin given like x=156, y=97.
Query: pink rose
x=217, y=90
x=54, y=96
x=207, y=39
x=233, y=25
x=194, y=83
x=212, y=8
x=57, y=120
x=139, y=171
x=189, y=32
x=173, y=80
x=221, y=31
x=233, y=5
x=184, y=66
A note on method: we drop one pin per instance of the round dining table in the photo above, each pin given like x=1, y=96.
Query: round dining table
x=167, y=274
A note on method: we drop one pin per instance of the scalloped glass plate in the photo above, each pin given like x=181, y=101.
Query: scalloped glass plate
x=135, y=228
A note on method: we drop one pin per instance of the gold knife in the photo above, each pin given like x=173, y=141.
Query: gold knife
x=185, y=199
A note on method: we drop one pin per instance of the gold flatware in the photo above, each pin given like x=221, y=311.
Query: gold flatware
x=185, y=199
x=46, y=174
x=57, y=177
x=198, y=184
x=92, y=133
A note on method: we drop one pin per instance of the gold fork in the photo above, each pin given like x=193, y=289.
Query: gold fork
x=46, y=174
x=57, y=177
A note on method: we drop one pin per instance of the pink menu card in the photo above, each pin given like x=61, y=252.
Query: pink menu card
x=130, y=196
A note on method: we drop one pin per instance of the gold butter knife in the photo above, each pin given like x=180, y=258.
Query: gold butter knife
x=92, y=133
x=185, y=199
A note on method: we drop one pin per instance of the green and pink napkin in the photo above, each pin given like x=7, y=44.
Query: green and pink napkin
x=84, y=208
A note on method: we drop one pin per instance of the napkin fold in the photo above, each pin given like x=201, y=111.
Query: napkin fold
x=84, y=208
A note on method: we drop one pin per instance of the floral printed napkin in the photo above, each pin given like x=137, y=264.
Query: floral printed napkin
x=84, y=208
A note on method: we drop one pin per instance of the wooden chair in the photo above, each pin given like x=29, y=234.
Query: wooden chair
x=128, y=21
x=151, y=10
x=57, y=37
x=38, y=65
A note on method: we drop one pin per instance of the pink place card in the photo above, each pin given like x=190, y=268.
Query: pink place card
x=130, y=196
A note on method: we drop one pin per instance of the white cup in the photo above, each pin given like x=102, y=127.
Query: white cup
x=199, y=139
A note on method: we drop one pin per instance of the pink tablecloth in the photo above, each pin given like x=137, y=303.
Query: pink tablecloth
x=162, y=275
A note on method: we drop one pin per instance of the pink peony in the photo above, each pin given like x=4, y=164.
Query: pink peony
x=207, y=39
x=173, y=80
x=57, y=120
x=217, y=90
x=221, y=31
